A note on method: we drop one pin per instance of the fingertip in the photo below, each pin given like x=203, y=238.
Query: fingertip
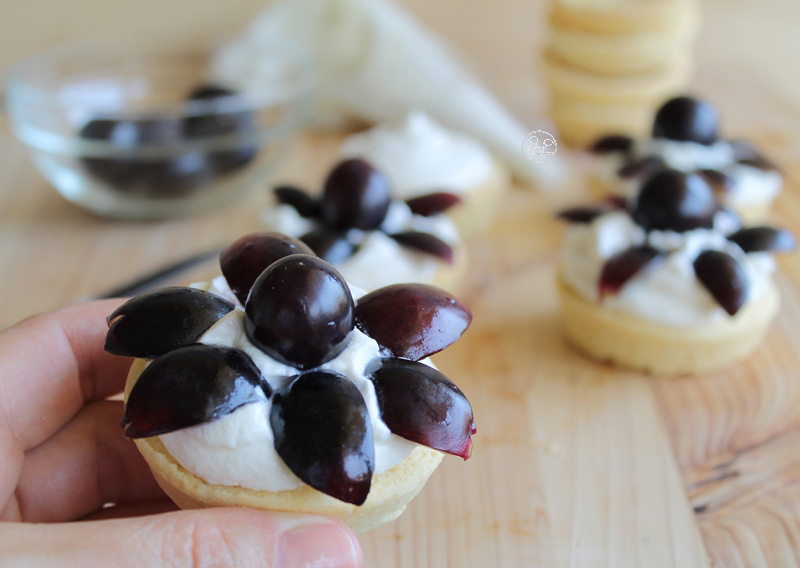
x=329, y=543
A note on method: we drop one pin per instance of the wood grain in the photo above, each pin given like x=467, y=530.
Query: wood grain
x=575, y=464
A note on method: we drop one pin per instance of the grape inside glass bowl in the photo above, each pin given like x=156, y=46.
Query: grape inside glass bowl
x=150, y=134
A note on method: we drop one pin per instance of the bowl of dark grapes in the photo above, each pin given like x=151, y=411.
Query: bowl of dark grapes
x=154, y=134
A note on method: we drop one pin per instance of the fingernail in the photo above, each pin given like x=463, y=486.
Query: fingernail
x=319, y=546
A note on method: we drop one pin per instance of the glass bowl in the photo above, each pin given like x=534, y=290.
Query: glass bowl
x=140, y=134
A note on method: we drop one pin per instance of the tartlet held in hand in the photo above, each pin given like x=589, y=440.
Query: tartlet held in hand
x=685, y=137
x=372, y=239
x=668, y=282
x=277, y=389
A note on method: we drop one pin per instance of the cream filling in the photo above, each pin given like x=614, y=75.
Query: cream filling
x=667, y=290
x=751, y=186
x=420, y=156
x=380, y=260
x=238, y=449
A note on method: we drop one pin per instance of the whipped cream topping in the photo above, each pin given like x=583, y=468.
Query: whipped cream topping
x=751, y=185
x=666, y=291
x=379, y=260
x=421, y=156
x=238, y=449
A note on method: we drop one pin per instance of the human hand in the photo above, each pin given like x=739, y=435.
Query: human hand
x=63, y=457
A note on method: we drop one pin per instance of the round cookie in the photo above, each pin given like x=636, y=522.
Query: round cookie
x=662, y=349
x=628, y=53
x=619, y=16
x=573, y=82
x=581, y=122
x=476, y=213
x=391, y=491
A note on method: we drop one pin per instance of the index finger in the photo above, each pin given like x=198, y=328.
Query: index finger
x=51, y=365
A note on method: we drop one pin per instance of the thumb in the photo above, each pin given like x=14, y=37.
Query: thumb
x=200, y=538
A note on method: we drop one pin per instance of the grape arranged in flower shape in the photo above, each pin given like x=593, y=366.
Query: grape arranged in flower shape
x=671, y=200
x=299, y=311
x=356, y=196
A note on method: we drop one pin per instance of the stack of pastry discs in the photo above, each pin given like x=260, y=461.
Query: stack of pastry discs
x=610, y=63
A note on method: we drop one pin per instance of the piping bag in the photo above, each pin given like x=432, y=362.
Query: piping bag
x=375, y=63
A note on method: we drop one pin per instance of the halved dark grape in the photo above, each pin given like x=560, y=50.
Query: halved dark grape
x=616, y=201
x=305, y=205
x=420, y=404
x=189, y=386
x=330, y=246
x=581, y=214
x=425, y=242
x=672, y=200
x=723, y=277
x=157, y=322
x=623, y=266
x=247, y=257
x=719, y=181
x=612, y=143
x=300, y=311
x=757, y=239
x=686, y=119
x=355, y=195
x=746, y=153
x=759, y=162
x=432, y=203
x=412, y=321
x=323, y=434
x=223, y=122
x=640, y=167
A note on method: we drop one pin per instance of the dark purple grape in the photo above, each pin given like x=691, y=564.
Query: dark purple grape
x=300, y=311
x=323, y=434
x=412, y=321
x=432, y=203
x=613, y=143
x=672, y=200
x=420, y=404
x=247, y=257
x=759, y=162
x=305, y=205
x=190, y=386
x=355, y=195
x=640, y=167
x=220, y=120
x=723, y=277
x=757, y=239
x=623, y=266
x=425, y=242
x=173, y=177
x=123, y=170
x=687, y=119
x=157, y=322
x=619, y=202
x=719, y=181
x=330, y=246
x=581, y=214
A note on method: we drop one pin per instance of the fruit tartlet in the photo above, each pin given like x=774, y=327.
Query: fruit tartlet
x=372, y=239
x=685, y=137
x=419, y=156
x=281, y=388
x=667, y=282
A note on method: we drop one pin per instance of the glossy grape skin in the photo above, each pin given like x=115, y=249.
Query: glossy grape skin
x=623, y=266
x=323, y=434
x=672, y=200
x=420, y=404
x=758, y=239
x=189, y=386
x=687, y=119
x=612, y=143
x=157, y=322
x=432, y=203
x=724, y=278
x=330, y=246
x=300, y=311
x=427, y=243
x=305, y=205
x=247, y=257
x=412, y=321
x=355, y=195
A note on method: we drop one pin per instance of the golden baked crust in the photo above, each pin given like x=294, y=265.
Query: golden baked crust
x=639, y=344
x=619, y=17
x=390, y=493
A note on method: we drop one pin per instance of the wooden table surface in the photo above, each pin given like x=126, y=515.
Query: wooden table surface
x=575, y=464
